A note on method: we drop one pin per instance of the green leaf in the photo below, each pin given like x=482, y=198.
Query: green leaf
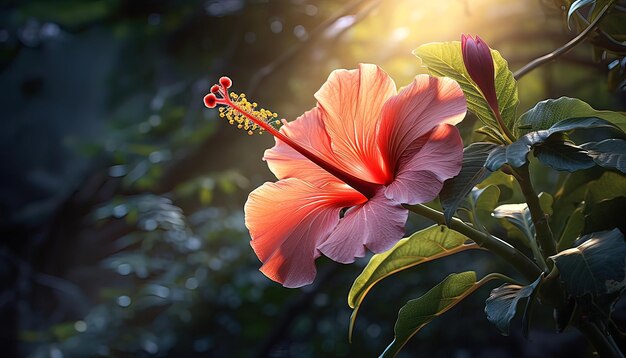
x=576, y=5
x=497, y=158
x=505, y=183
x=617, y=68
x=596, y=267
x=501, y=306
x=579, y=190
x=553, y=148
x=444, y=59
x=599, y=5
x=613, y=26
x=419, y=312
x=472, y=172
x=519, y=216
x=423, y=246
x=546, y=201
x=605, y=215
x=480, y=203
x=572, y=229
x=560, y=154
x=491, y=133
x=609, y=153
x=549, y=112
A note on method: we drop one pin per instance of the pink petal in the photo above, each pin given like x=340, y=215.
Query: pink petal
x=426, y=164
x=288, y=220
x=377, y=224
x=418, y=108
x=353, y=101
x=308, y=130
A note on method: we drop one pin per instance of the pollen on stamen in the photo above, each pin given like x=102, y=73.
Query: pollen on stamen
x=238, y=110
x=234, y=116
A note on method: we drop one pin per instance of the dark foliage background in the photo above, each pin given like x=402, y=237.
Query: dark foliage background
x=121, y=196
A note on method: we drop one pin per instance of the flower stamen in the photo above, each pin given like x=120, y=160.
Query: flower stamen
x=238, y=110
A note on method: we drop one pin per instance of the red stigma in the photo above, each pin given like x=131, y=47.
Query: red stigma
x=226, y=82
x=210, y=100
x=219, y=93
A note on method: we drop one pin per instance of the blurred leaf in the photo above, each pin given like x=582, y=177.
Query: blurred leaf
x=501, y=306
x=419, y=312
x=63, y=331
x=596, y=267
x=444, y=59
x=577, y=5
x=505, y=183
x=547, y=113
x=142, y=149
x=472, y=172
x=605, y=215
x=572, y=229
x=423, y=246
x=69, y=13
x=608, y=186
x=546, y=201
x=598, y=6
x=579, y=190
x=613, y=25
x=617, y=72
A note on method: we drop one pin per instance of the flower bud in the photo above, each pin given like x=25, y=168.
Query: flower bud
x=479, y=64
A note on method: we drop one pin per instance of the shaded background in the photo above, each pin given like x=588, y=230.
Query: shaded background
x=121, y=196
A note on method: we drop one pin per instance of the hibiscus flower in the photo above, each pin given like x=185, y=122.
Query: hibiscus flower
x=345, y=168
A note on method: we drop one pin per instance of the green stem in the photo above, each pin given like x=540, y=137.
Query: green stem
x=522, y=263
x=561, y=50
x=538, y=255
x=508, y=136
x=540, y=219
x=501, y=277
x=601, y=341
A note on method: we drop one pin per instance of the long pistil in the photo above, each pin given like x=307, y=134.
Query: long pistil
x=211, y=100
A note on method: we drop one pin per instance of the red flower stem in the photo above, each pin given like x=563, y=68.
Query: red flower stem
x=521, y=262
x=364, y=187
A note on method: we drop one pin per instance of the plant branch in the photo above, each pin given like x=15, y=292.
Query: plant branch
x=501, y=277
x=561, y=50
x=522, y=263
x=540, y=219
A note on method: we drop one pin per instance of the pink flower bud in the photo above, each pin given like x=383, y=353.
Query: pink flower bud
x=479, y=64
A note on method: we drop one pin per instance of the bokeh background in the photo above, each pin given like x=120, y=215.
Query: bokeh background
x=121, y=196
